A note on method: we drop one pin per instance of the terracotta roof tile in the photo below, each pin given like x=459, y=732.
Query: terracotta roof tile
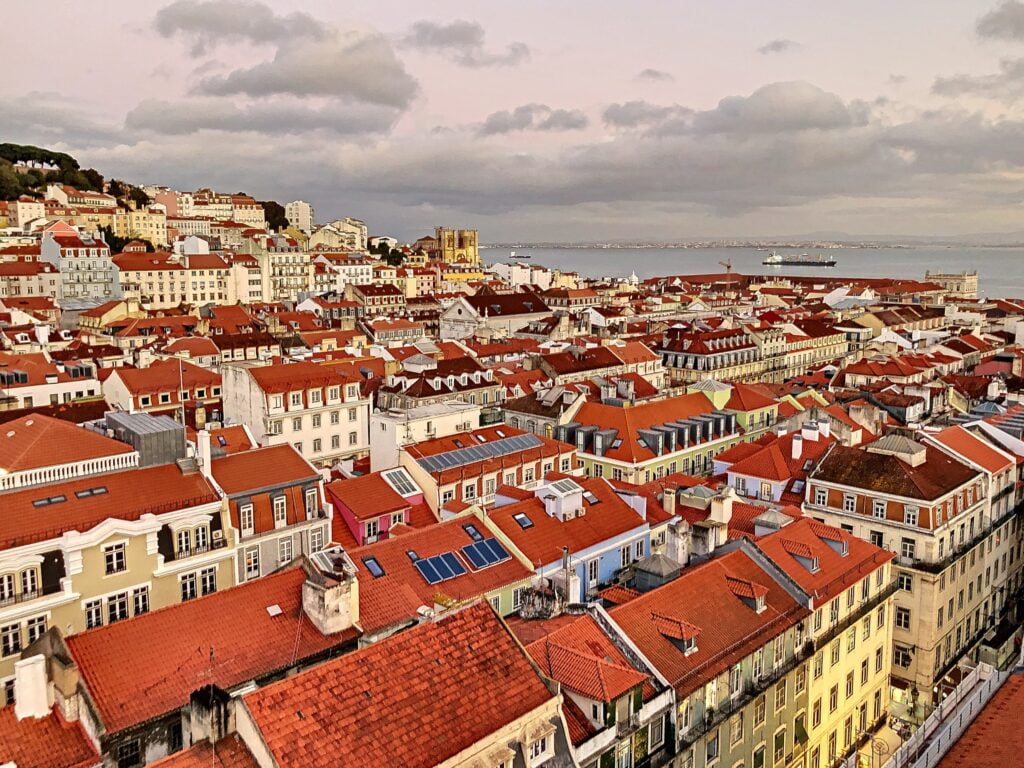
x=336, y=713
x=40, y=441
x=229, y=752
x=143, y=668
x=46, y=742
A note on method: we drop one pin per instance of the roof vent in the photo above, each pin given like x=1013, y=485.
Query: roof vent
x=274, y=610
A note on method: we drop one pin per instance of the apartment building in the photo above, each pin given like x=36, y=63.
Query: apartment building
x=850, y=583
x=391, y=430
x=318, y=409
x=957, y=558
x=300, y=215
x=83, y=260
x=276, y=506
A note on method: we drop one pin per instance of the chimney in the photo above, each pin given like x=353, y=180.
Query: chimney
x=31, y=690
x=668, y=500
x=203, y=452
x=825, y=427
x=721, y=506
x=810, y=431
x=331, y=602
x=797, y=448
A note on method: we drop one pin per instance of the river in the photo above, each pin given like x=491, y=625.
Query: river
x=1000, y=270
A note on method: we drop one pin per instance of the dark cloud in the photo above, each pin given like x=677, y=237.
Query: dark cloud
x=781, y=107
x=539, y=117
x=463, y=42
x=780, y=45
x=48, y=118
x=350, y=66
x=211, y=22
x=655, y=75
x=271, y=118
x=896, y=79
x=1005, y=85
x=1004, y=22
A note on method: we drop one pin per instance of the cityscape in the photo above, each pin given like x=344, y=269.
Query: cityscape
x=301, y=467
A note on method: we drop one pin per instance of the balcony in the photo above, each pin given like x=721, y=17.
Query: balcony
x=181, y=554
x=937, y=566
x=865, y=609
x=19, y=597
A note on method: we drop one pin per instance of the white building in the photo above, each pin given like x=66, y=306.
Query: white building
x=319, y=410
x=348, y=234
x=300, y=215
x=83, y=260
x=393, y=429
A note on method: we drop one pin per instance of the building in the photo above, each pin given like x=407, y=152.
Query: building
x=391, y=430
x=276, y=505
x=426, y=381
x=491, y=314
x=456, y=246
x=470, y=466
x=31, y=379
x=346, y=234
x=83, y=260
x=175, y=387
x=936, y=512
x=318, y=409
x=509, y=713
x=300, y=215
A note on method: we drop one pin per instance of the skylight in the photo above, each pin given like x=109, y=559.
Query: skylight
x=373, y=567
x=473, y=532
x=48, y=500
x=523, y=520
x=87, y=492
x=400, y=481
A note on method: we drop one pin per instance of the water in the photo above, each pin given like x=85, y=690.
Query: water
x=1000, y=270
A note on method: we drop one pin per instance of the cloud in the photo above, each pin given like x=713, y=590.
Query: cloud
x=780, y=45
x=46, y=118
x=655, y=75
x=1005, y=85
x=895, y=79
x=211, y=22
x=538, y=117
x=278, y=117
x=463, y=42
x=636, y=114
x=781, y=107
x=345, y=65
x=1005, y=22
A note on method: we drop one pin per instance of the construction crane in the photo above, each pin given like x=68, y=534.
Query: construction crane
x=728, y=266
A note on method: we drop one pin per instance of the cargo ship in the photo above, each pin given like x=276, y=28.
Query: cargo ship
x=803, y=260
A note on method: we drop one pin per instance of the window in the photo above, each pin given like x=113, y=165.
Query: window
x=712, y=747
x=280, y=512
x=901, y=656
x=189, y=587
x=834, y=652
x=780, y=745
x=759, y=711
x=140, y=600
x=114, y=559
x=208, y=581
x=849, y=503
x=801, y=679
x=878, y=659
x=820, y=497
x=908, y=548
x=864, y=672
x=638, y=550
x=117, y=607
x=833, y=698
x=184, y=542
x=878, y=508
x=849, y=684
x=736, y=728
x=816, y=714
x=819, y=664
x=252, y=563
x=352, y=414
x=317, y=445
x=902, y=617
x=129, y=754
x=245, y=514
x=336, y=417
x=316, y=540
x=905, y=582
x=538, y=748
x=311, y=505
x=780, y=694
x=201, y=538
x=876, y=538
x=10, y=640
x=910, y=515
x=297, y=424
x=880, y=616
x=353, y=438
x=93, y=614
x=657, y=732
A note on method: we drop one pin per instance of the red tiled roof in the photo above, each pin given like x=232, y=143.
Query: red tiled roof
x=543, y=541
x=337, y=713
x=368, y=496
x=704, y=596
x=229, y=752
x=583, y=658
x=992, y=741
x=45, y=742
x=974, y=449
x=129, y=495
x=40, y=441
x=143, y=668
x=379, y=609
x=250, y=470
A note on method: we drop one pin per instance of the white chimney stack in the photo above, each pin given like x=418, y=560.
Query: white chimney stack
x=797, y=447
x=810, y=431
x=825, y=428
x=31, y=695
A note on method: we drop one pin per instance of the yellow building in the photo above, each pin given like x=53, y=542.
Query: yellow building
x=456, y=246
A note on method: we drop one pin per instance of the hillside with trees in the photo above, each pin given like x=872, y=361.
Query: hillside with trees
x=26, y=170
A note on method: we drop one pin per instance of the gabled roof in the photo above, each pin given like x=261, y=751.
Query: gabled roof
x=965, y=443
x=583, y=658
x=140, y=669
x=367, y=497
x=248, y=471
x=45, y=742
x=434, y=690
x=37, y=441
x=708, y=597
x=229, y=752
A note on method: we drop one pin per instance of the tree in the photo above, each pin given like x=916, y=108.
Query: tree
x=117, y=244
x=117, y=188
x=137, y=196
x=10, y=184
x=95, y=179
x=274, y=213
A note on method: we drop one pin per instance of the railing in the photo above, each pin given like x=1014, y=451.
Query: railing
x=947, y=722
x=200, y=550
x=866, y=608
x=936, y=566
x=19, y=597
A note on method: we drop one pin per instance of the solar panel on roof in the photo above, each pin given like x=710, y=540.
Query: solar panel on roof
x=497, y=550
x=400, y=481
x=470, y=454
x=453, y=563
x=442, y=568
x=428, y=572
x=472, y=553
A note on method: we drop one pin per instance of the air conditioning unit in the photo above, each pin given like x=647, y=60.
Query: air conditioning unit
x=218, y=535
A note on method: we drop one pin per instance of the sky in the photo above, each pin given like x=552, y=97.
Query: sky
x=545, y=120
